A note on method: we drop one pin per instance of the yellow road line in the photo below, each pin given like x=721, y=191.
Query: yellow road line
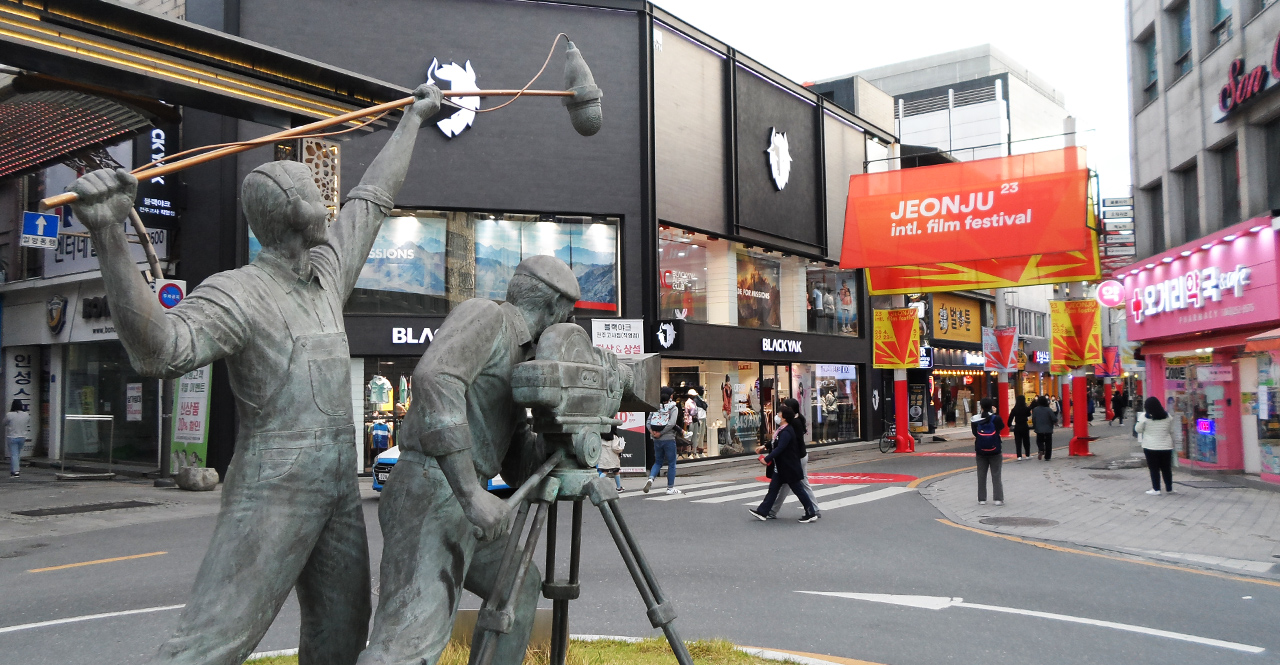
x=91, y=563
x=1071, y=550
x=817, y=656
x=917, y=481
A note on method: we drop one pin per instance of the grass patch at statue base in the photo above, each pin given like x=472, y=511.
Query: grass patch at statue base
x=652, y=651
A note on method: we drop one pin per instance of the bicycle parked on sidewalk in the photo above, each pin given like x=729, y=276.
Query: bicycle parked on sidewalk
x=889, y=439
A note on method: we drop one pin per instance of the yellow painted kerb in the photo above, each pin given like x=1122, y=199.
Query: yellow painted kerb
x=95, y=562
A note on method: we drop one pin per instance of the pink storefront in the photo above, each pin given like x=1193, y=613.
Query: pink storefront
x=1205, y=313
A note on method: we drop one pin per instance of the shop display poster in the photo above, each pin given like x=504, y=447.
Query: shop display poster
x=985, y=209
x=758, y=294
x=1077, y=332
x=1000, y=349
x=632, y=430
x=896, y=337
x=133, y=402
x=917, y=407
x=191, y=419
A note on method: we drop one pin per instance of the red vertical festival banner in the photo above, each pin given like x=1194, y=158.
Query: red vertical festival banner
x=1110, y=365
x=896, y=335
x=1077, y=333
x=1000, y=349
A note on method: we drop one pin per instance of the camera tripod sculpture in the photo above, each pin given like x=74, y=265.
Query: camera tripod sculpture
x=574, y=391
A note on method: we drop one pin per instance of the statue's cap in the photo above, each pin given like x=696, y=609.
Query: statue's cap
x=554, y=273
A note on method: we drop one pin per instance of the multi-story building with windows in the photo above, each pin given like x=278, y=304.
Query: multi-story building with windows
x=1205, y=125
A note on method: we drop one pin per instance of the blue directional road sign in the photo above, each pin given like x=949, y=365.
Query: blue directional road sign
x=39, y=230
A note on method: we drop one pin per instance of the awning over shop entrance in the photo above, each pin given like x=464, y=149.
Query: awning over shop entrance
x=41, y=128
x=1267, y=341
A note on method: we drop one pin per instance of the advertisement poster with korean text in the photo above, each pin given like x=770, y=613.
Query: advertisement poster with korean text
x=632, y=457
x=758, y=294
x=917, y=407
x=625, y=337
x=191, y=419
x=896, y=334
x=1077, y=332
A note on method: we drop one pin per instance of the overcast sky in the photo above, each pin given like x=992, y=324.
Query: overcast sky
x=1077, y=47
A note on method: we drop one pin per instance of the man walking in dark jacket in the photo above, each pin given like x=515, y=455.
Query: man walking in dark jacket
x=1119, y=402
x=1042, y=421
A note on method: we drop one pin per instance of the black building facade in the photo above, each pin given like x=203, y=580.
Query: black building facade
x=708, y=211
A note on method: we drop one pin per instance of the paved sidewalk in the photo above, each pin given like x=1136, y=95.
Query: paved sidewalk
x=1206, y=522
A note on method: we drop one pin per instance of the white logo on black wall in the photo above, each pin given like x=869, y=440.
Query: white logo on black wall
x=779, y=157
x=459, y=78
x=781, y=345
x=411, y=336
x=666, y=335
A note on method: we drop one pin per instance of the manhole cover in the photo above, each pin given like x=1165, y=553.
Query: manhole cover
x=84, y=508
x=1018, y=521
x=1111, y=476
x=1208, y=484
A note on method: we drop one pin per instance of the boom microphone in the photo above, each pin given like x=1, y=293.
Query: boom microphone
x=584, y=106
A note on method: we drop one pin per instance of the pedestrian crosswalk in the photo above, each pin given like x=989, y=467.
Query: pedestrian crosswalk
x=750, y=493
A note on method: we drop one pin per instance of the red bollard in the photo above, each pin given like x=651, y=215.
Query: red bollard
x=1079, y=446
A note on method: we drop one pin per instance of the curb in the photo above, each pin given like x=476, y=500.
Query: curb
x=767, y=654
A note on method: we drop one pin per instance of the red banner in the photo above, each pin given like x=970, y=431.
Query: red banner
x=986, y=209
x=988, y=273
x=896, y=335
x=1110, y=365
x=1000, y=349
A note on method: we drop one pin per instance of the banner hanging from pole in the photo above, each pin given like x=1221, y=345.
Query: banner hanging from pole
x=1077, y=332
x=1000, y=349
x=896, y=335
x=1110, y=365
x=968, y=211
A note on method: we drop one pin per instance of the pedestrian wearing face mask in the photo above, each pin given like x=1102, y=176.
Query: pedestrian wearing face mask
x=786, y=458
x=801, y=427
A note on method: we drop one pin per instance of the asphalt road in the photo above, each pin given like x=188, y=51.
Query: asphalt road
x=730, y=576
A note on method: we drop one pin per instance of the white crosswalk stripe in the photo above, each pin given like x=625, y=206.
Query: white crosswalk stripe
x=760, y=490
x=822, y=491
x=659, y=486
x=750, y=493
x=864, y=498
x=703, y=492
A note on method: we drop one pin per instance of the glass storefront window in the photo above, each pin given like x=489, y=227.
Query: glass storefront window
x=425, y=261
x=386, y=390
x=682, y=286
x=741, y=396
x=101, y=381
x=829, y=397
x=1195, y=395
x=1267, y=407
x=832, y=301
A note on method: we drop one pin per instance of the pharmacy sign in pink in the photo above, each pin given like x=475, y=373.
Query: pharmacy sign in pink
x=1224, y=280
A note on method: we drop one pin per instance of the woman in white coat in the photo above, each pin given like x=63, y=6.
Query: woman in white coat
x=610, y=462
x=1155, y=431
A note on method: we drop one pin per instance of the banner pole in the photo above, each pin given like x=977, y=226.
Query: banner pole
x=906, y=442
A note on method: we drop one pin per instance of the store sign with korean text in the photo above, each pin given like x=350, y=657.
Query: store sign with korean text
x=1244, y=83
x=956, y=318
x=1233, y=283
x=624, y=337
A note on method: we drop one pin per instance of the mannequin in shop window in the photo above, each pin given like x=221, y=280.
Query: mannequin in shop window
x=830, y=414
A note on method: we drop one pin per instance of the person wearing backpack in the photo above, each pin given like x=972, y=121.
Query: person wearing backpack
x=663, y=425
x=986, y=428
